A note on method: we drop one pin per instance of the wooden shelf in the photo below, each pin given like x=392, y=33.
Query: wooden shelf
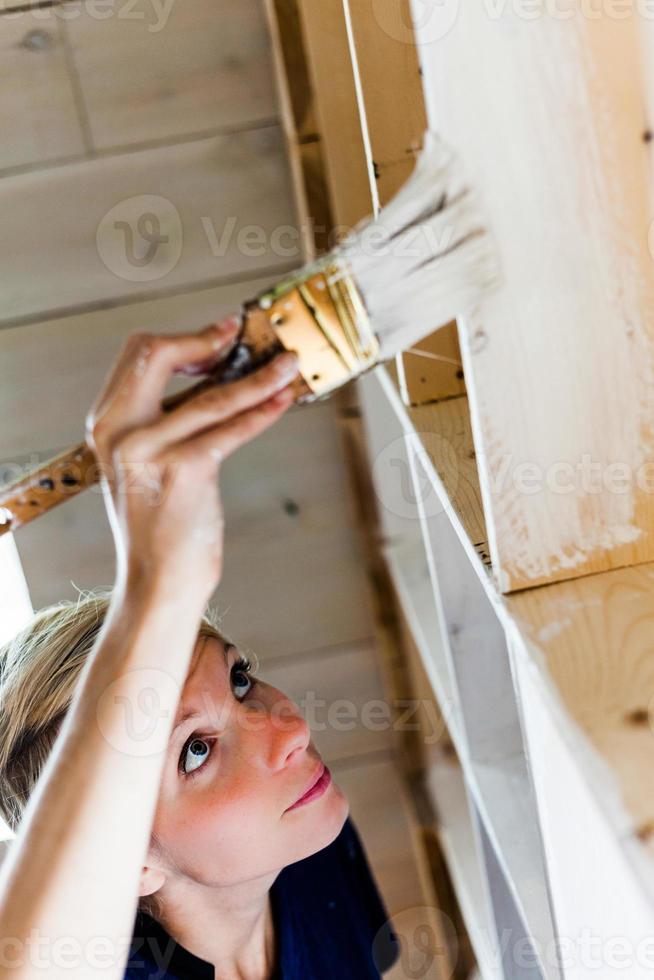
x=553, y=679
x=548, y=692
x=589, y=638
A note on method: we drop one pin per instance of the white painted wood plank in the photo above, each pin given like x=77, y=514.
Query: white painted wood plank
x=164, y=218
x=38, y=117
x=548, y=115
x=411, y=578
x=447, y=791
x=161, y=70
x=15, y=604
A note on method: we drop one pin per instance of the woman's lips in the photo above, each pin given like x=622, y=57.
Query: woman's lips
x=315, y=790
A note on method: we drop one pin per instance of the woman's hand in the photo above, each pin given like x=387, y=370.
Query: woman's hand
x=160, y=469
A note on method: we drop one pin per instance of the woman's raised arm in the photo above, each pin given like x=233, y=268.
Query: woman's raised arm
x=69, y=885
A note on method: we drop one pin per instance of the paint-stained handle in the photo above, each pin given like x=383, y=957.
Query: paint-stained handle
x=64, y=476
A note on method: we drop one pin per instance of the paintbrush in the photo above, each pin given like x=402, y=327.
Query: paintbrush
x=423, y=261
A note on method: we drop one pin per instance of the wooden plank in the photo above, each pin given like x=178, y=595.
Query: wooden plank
x=176, y=69
x=38, y=117
x=337, y=110
x=394, y=106
x=446, y=437
x=432, y=369
x=394, y=116
x=296, y=104
x=207, y=211
x=296, y=94
x=592, y=637
x=558, y=362
x=601, y=882
x=15, y=604
x=447, y=791
x=51, y=371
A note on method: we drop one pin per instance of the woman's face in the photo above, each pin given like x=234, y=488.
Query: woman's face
x=233, y=771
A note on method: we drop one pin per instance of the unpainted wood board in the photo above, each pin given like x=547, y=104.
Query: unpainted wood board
x=600, y=877
x=592, y=637
x=393, y=107
x=337, y=110
x=297, y=111
x=433, y=369
x=158, y=219
x=38, y=116
x=548, y=117
x=50, y=371
x=165, y=70
x=446, y=437
x=392, y=88
x=295, y=91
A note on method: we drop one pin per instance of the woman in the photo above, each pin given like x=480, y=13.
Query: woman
x=173, y=817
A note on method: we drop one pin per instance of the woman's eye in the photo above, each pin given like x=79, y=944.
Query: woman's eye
x=242, y=683
x=195, y=754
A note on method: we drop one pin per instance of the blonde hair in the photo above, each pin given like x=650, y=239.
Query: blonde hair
x=39, y=670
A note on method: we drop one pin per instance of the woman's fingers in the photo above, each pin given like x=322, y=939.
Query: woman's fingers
x=221, y=402
x=222, y=440
x=134, y=389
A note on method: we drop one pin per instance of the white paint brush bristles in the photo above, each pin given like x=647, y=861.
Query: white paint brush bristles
x=425, y=259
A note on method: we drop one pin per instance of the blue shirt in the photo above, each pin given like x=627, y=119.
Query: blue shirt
x=330, y=922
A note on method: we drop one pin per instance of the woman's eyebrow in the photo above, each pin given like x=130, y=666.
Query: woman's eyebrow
x=193, y=712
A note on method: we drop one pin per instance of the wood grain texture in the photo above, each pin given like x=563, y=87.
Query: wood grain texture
x=295, y=90
x=548, y=116
x=432, y=369
x=337, y=110
x=446, y=437
x=392, y=109
x=38, y=116
x=295, y=97
x=593, y=638
x=160, y=219
x=393, y=99
x=171, y=69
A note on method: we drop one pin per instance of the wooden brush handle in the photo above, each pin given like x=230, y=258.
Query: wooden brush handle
x=66, y=475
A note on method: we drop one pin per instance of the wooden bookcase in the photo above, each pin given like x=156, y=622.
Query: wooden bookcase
x=542, y=667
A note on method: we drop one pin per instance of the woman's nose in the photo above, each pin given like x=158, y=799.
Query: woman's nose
x=289, y=733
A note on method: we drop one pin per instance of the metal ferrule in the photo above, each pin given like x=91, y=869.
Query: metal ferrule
x=324, y=320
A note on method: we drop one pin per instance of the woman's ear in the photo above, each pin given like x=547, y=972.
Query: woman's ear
x=151, y=881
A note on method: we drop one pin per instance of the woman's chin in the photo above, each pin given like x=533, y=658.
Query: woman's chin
x=320, y=822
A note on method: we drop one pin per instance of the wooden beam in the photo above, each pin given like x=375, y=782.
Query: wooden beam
x=392, y=110
x=549, y=117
